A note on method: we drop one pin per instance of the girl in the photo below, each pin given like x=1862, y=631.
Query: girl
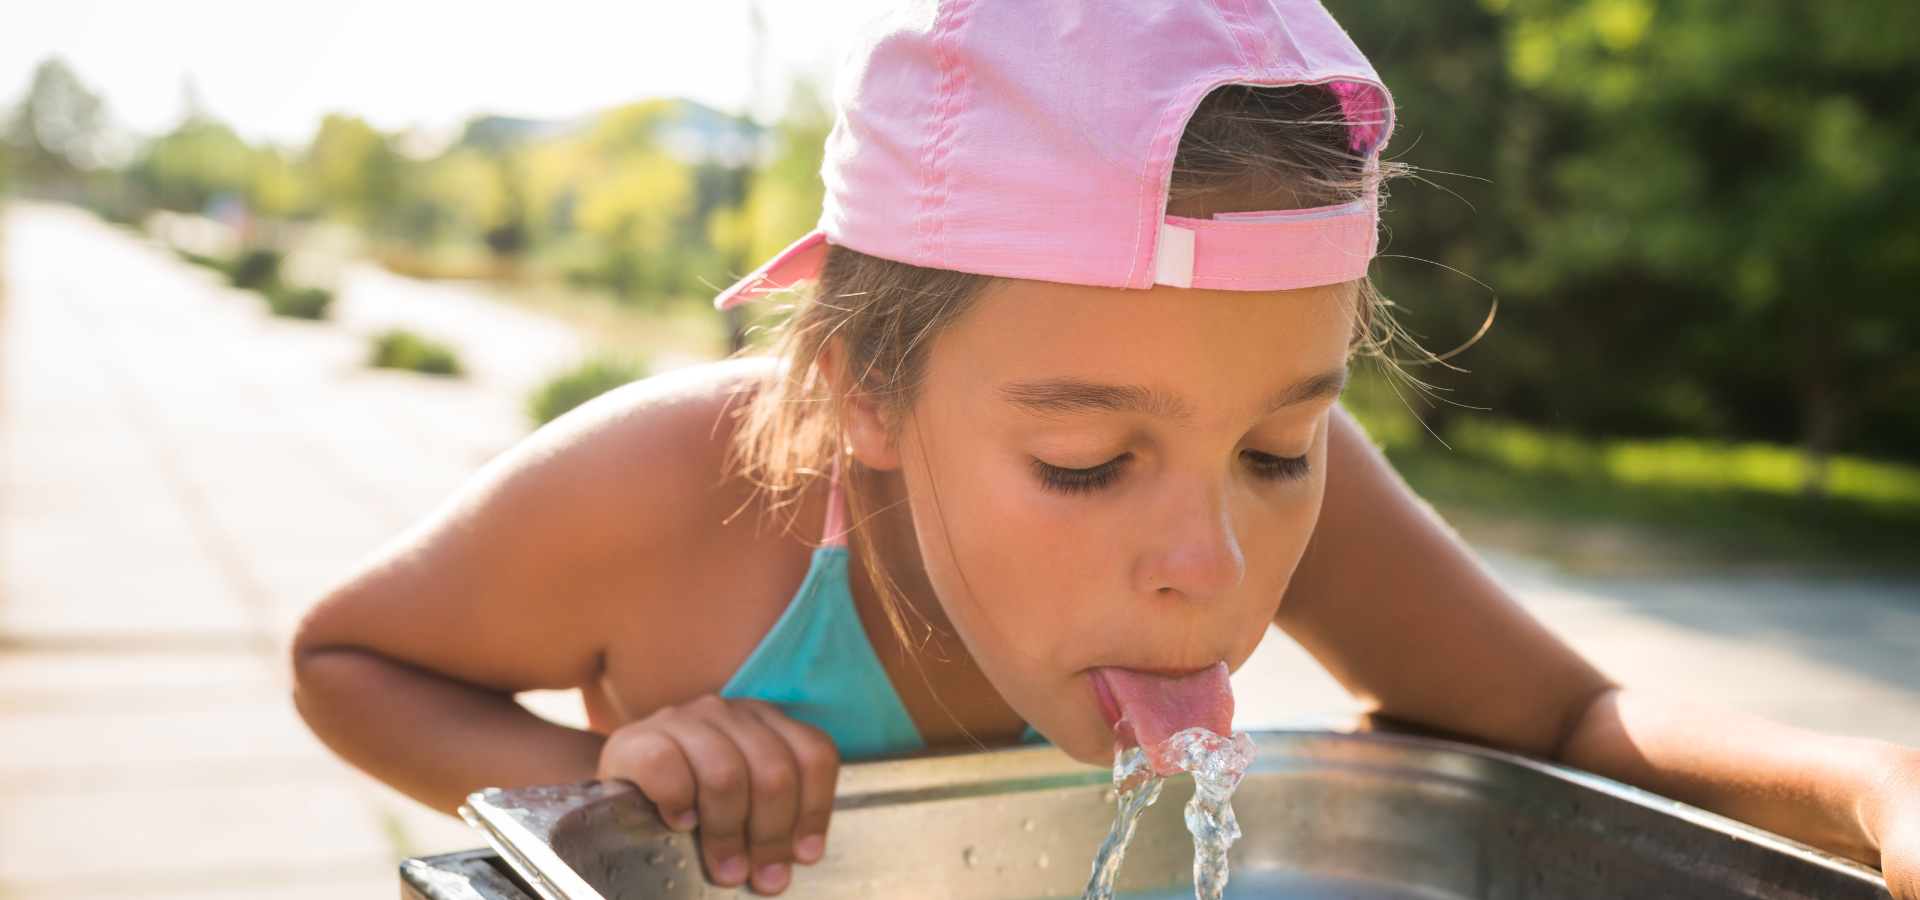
x=1086, y=287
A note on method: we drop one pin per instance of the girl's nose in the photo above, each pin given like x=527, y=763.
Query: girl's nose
x=1195, y=554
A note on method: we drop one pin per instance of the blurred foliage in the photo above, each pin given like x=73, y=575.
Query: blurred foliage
x=299, y=302
x=54, y=132
x=55, y=142
x=201, y=161
x=259, y=270
x=1670, y=500
x=1694, y=213
x=400, y=349
x=784, y=197
x=593, y=376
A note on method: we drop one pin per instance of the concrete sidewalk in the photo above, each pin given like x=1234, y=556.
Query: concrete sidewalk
x=181, y=474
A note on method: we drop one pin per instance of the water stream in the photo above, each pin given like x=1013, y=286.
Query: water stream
x=1137, y=787
x=1216, y=763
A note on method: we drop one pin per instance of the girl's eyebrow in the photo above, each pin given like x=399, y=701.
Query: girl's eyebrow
x=1065, y=396
x=1068, y=396
x=1323, y=386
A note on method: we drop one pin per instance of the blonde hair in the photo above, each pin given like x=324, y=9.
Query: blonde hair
x=1246, y=148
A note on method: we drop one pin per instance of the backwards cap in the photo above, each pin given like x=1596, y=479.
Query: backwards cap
x=1035, y=139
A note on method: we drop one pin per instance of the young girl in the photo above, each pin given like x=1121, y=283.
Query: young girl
x=1065, y=386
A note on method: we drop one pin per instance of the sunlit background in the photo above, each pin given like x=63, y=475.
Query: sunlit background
x=277, y=277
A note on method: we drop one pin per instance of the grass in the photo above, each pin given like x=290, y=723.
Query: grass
x=398, y=349
x=595, y=375
x=685, y=326
x=298, y=303
x=259, y=271
x=1604, y=503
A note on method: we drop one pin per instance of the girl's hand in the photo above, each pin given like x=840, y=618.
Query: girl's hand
x=1900, y=862
x=757, y=784
x=1893, y=818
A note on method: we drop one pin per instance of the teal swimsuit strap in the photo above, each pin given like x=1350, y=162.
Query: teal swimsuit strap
x=817, y=665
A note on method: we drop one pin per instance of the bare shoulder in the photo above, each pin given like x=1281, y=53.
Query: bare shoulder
x=642, y=462
x=581, y=545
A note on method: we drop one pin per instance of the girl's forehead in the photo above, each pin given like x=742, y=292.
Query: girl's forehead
x=1159, y=348
x=1068, y=316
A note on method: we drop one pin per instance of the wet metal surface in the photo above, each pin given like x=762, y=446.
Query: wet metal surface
x=1324, y=815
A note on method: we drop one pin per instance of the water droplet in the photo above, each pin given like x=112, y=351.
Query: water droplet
x=1044, y=861
x=1026, y=825
x=680, y=863
x=656, y=859
x=669, y=841
x=971, y=856
x=668, y=884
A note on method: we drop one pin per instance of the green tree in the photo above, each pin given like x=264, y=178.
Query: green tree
x=184, y=168
x=1744, y=175
x=784, y=194
x=1691, y=211
x=359, y=177
x=617, y=204
x=56, y=129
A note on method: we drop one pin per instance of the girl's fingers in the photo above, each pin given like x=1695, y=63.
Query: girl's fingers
x=773, y=796
x=722, y=777
x=655, y=763
x=758, y=784
x=819, y=763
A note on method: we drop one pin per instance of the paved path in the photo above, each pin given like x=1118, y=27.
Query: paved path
x=181, y=474
x=1840, y=655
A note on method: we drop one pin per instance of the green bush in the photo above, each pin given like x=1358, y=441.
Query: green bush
x=259, y=271
x=298, y=303
x=397, y=349
x=594, y=376
x=218, y=265
x=255, y=270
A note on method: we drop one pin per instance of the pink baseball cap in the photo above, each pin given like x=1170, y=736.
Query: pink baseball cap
x=1035, y=139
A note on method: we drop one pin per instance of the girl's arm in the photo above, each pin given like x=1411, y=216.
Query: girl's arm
x=1400, y=611
x=388, y=718
x=1397, y=608
x=595, y=553
x=1853, y=797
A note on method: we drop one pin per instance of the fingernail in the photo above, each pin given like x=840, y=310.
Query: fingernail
x=733, y=870
x=772, y=878
x=810, y=848
x=686, y=820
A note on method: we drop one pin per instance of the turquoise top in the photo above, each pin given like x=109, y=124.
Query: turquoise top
x=817, y=666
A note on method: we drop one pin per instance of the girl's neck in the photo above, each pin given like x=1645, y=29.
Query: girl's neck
x=949, y=699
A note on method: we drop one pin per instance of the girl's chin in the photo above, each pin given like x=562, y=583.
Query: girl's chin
x=1092, y=745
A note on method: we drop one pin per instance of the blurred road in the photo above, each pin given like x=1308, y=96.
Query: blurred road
x=180, y=474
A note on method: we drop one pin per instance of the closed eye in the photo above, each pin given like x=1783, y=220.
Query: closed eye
x=1276, y=468
x=1080, y=481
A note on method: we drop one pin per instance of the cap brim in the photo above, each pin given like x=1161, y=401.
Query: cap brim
x=801, y=261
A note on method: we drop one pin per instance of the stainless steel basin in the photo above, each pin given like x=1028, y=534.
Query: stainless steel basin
x=1325, y=816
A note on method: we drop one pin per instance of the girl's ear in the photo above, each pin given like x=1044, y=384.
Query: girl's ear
x=867, y=434
x=866, y=429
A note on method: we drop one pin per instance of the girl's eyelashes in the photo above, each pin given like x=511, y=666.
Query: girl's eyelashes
x=1093, y=478
x=1080, y=481
x=1277, y=468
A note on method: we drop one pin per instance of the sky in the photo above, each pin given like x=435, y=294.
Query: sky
x=273, y=68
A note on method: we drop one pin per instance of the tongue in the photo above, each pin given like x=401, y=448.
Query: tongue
x=1153, y=708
